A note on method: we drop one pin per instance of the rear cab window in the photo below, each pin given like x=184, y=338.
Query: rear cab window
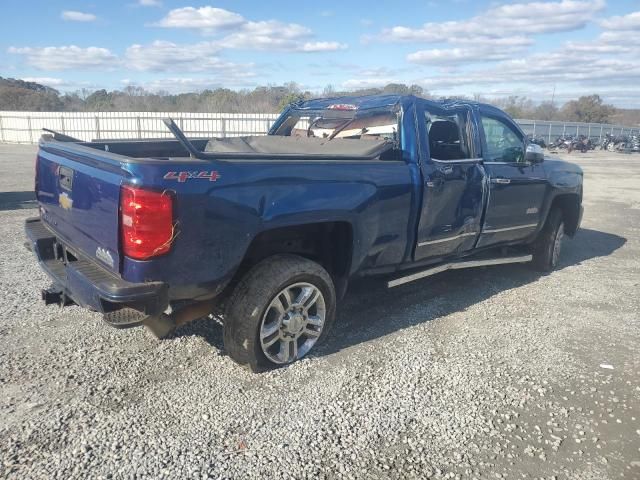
x=345, y=123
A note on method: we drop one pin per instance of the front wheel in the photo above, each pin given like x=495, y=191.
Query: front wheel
x=547, y=247
x=282, y=308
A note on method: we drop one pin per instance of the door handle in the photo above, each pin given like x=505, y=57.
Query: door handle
x=501, y=180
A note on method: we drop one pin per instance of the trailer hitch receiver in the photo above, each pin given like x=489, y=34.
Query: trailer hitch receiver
x=53, y=296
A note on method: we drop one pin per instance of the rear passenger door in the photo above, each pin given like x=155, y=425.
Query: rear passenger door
x=454, y=182
x=516, y=187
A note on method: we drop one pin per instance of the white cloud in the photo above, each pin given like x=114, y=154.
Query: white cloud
x=163, y=56
x=545, y=17
x=452, y=56
x=472, y=50
x=275, y=35
x=624, y=22
x=48, y=81
x=59, y=83
x=596, y=47
x=66, y=57
x=544, y=69
x=270, y=34
x=190, y=84
x=611, y=44
x=606, y=65
x=149, y=3
x=210, y=19
x=498, y=34
x=504, y=20
x=535, y=76
x=246, y=34
x=621, y=36
x=158, y=56
x=322, y=47
x=364, y=82
x=73, y=16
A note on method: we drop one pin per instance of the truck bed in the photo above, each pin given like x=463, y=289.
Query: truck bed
x=238, y=148
x=222, y=199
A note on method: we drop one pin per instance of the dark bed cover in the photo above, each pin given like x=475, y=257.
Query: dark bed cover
x=277, y=144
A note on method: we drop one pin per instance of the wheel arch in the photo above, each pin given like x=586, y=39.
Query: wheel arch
x=331, y=244
x=571, y=207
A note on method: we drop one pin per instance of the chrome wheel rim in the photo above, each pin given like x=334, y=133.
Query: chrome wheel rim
x=557, y=244
x=292, y=323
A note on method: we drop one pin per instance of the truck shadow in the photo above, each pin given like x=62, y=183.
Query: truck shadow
x=370, y=310
x=17, y=200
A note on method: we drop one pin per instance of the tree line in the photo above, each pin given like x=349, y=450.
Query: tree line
x=31, y=96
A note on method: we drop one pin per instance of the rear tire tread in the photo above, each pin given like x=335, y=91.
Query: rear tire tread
x=252, y=295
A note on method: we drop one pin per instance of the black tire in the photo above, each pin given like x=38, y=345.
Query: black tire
x=547, y=247
x=254, y=293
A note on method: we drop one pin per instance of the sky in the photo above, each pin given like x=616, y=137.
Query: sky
x=545, y=50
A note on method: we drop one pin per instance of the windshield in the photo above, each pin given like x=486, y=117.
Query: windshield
x=340, y=124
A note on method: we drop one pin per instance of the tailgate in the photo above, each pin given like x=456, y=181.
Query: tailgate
x=79, y=192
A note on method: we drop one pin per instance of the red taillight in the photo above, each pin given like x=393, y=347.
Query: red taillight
x=146, y=222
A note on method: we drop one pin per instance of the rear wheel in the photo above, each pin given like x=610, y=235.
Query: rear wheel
x=279, y=311
x=548, y=245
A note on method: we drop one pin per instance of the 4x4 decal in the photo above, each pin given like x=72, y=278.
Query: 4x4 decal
x=182, y=177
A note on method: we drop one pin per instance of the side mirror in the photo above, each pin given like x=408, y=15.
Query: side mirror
x=534, y=153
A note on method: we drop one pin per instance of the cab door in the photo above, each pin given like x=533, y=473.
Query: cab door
x=454, y=182
x=516, y=187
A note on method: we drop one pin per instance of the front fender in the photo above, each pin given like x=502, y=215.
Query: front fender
x=564, y=177
x=565, y=183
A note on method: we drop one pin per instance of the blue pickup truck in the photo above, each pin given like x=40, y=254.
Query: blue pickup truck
x=270, y=229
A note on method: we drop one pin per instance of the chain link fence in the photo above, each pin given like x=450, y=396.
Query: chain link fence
x=26, y=127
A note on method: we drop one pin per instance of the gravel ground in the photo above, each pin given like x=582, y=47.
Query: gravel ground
x=486, y=373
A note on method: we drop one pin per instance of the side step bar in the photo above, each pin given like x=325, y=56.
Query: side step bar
x=456, y=266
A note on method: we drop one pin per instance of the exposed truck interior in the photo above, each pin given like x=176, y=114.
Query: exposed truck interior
x=281, y=145
x=449, y=136
x=332, y=134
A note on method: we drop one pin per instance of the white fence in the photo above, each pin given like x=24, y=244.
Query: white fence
x=26, y=127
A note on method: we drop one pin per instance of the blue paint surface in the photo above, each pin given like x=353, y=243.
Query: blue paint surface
x=400, y=211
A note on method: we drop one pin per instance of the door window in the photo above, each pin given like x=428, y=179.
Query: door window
x=448, y=136
x=503, y=143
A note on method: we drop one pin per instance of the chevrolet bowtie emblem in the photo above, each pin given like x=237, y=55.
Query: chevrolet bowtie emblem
x=65, y=200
